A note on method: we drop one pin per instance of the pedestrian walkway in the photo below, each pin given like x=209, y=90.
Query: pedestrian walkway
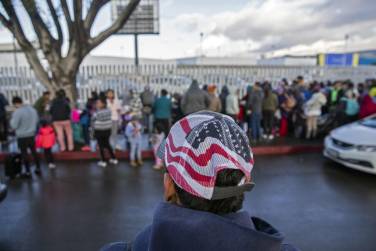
x=278, y=146
x=81, y=206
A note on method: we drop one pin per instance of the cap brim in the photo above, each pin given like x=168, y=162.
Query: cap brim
x=220, y=193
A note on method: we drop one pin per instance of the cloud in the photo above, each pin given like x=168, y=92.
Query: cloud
x=277, y=24
x=259, y=27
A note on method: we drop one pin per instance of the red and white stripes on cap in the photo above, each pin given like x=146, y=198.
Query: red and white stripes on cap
x=202, y=144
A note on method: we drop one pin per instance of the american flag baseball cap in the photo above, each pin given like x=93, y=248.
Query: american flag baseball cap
x=202, y=144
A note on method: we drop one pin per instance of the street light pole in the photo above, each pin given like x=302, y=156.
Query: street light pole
x=345, y=49
x=15, y=53
x=201, y=42
x=136, y=60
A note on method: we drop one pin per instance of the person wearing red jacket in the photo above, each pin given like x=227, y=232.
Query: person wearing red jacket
x=368, y=105
x=46, y=139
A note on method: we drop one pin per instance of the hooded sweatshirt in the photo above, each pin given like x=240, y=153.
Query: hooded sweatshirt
x=24, y=121
x=255, y=101
x=195, y=99
x=232, y=102
x=176, y=228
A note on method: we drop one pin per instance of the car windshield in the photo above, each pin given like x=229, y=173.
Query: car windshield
x=371, y=122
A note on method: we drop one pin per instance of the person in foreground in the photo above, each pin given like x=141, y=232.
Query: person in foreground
x=208, y=168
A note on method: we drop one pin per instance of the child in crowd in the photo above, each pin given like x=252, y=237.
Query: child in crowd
x=46, y=140
x=156, y=140
x=102, y=124
x=76, y=126
x=85, y=124
x=133, y=134
x=75, y=115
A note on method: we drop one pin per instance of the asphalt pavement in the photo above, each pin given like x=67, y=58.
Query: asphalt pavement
x=317, y=204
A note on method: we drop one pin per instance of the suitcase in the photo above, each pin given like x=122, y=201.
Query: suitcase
x=13, y=165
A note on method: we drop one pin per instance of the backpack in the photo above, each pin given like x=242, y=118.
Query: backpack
x=13, y=165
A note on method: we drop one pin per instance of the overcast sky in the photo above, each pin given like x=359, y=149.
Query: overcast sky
x=241, y=28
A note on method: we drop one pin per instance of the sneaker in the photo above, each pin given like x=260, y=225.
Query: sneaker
x=86, y=149
x=264, y=136
x=102, y=164
x=157, y=167
x=140, y=162
x=38, y=172
x=51, y=166
x=133, y=163
x=114, y=161
x=271, y=136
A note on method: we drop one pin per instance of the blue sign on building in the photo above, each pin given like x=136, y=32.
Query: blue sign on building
x=339, y=59
x=367, y=58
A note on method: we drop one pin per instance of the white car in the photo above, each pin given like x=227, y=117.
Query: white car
x=354, y=145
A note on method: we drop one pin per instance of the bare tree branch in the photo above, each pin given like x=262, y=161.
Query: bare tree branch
x=14, y=25
x=49, y=45
x=121, y=20
x=68, y=18
x=30, y=52
x=56, y=21
x=94, y=8
x=63, y=69
x=5, y=22
x=77, y=7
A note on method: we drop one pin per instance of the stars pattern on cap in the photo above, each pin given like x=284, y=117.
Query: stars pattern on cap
x=226, y=131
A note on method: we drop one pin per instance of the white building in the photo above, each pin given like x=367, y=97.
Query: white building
x=289, y=61
x=216, y=61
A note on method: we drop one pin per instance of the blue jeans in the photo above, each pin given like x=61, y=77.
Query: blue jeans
x=135, y=149
x=255, y=125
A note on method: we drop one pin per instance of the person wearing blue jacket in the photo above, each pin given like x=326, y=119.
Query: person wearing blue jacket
x=208, y=168
x=162, y=111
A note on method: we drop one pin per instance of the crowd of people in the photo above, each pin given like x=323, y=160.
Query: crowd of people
x=264, y=112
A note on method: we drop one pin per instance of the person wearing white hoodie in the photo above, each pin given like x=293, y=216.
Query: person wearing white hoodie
x=313, y=111
x=232, y=103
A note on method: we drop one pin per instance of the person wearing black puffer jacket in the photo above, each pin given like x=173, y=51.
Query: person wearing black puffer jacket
x=60, y=113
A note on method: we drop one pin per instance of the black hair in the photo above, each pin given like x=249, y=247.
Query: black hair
x=60, y=94
x=267, y=89
x=46, y=93
x=102, y=95
x=94, y=95
x=164, y=92
x=103, y=100
x=16, y=100
x=44, y=123
x=225, y=178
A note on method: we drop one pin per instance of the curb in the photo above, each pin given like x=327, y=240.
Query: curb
x=259, y=150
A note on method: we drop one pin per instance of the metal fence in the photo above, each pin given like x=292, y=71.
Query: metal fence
x=174, y=78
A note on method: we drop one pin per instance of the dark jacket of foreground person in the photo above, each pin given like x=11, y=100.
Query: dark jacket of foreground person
x=175, y=228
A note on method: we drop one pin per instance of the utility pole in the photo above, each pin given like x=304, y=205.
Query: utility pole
x=201, y=42
x=347, y=36
x=136, y=61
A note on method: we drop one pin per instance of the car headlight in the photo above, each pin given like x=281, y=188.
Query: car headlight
x=366, y=148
